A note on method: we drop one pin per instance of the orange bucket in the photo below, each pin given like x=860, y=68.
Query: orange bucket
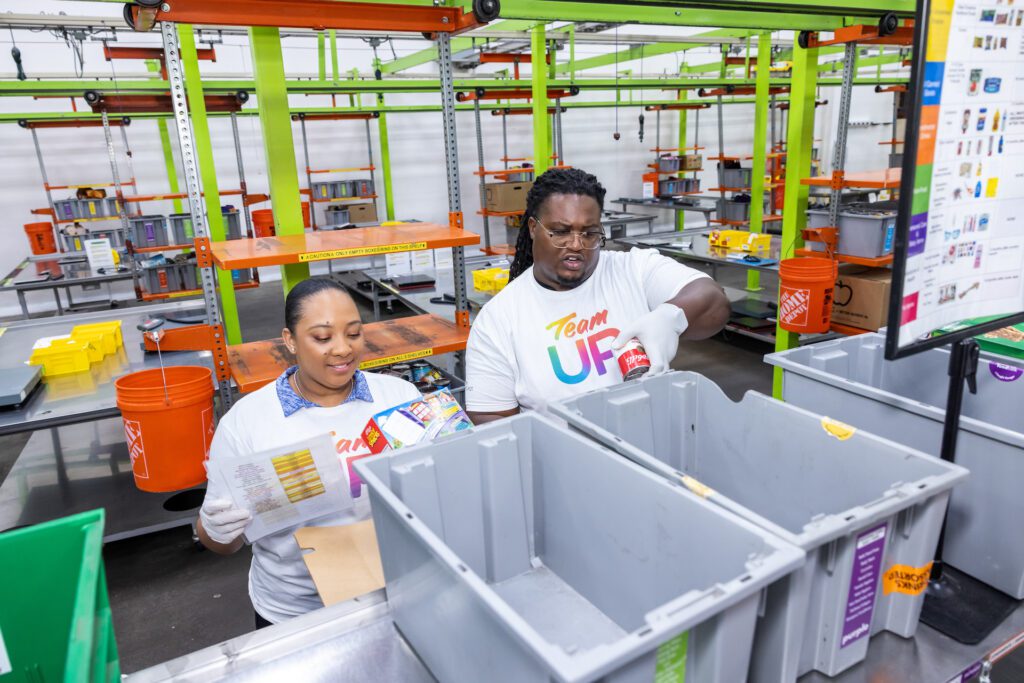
x=40, y=238
x=263, y=222
x=805, y=294
x=305, y=214
x=168, y=434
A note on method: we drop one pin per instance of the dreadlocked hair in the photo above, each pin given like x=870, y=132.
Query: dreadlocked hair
x=554, y=181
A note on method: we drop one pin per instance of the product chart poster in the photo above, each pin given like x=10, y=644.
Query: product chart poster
x=963, y=254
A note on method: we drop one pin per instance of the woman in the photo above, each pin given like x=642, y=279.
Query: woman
x=324, y=392
x=553, y=331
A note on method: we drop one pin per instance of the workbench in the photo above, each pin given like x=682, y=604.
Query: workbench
x=674, y=203
x=86, y=396
x=357, y=641
x=57, y=273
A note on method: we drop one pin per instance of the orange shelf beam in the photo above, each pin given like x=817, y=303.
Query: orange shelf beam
x=135, y=198
x=256, y=364
x=97, y=219
x=719, y=158
x=500, y=250
x=771, y=219
x=144, y=296
x=342, y=199
x=891, y=142
x=505, y=171
x=172, y=247
x=722, y=221
x=500, y=214
x=879, y=262
x=341, y=170
x=729, y=189
x=873, y=180
x=321, y=246
x=78, y=187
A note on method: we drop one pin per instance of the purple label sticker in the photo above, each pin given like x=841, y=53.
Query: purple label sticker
x=860, y=602
x=918, y=234
x=967, y=674
x=1005, y=373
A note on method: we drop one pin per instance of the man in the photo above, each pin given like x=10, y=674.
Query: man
x=553, y=331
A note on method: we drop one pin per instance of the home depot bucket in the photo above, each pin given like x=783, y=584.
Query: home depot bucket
x=40, y=238
x=168, y=434
x=263, y=222
x=805, y=294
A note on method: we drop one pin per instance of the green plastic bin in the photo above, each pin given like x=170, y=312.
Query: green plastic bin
x=54, y=611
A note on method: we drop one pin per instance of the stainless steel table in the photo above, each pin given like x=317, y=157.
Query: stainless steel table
x=55, y=274
x=357, y=641
x=617, y=222
x=65, y=470
x=704, y=205
x=668, y=243
x=87, y=395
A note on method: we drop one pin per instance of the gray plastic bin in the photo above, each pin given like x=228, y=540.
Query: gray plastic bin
x=92, y=208
x=862, y=232
x=232, y=224
x=905, y=401
x=362, y=188
x=322, y=190
x=668, y=163
x=341, y=189
x=112, y=206
x=67, y=209
x=736, y=177
x=520, y=551
x=336, y=216
x=181, y=228
x=858, y=505
x=161, y=279
x=733, y=211
x=148, y=231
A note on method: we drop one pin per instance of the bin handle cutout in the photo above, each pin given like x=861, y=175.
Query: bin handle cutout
x=839, y=430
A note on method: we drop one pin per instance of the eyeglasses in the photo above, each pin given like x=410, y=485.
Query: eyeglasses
x=563, y=238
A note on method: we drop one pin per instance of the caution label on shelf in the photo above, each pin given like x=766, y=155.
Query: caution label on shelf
x=907, y=580
x=391, y=360
x=360, y=251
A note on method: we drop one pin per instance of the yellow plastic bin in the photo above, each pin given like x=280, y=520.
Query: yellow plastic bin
x=62, y=357
x=109, y=333
x=490, y=280
x=739, y=240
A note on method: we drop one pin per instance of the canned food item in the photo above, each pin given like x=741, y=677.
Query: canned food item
x=420, y=369
x=633, y=360
x=403, y=370
x=442, y=383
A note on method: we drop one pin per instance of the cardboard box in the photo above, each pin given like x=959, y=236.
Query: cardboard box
x=362, y=213
x=423, y=419
x=344, y=561
x=861, y=297
x=506, y=196
x=691, y=162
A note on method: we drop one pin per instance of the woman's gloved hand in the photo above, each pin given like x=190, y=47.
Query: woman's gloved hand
x=659, y=332
x=222, y=521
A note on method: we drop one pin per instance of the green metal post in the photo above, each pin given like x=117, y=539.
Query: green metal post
x=278, y=144
x=799, y=141
x=683, y=117
x=385, y=161
x=172, y=173
x=334, y=54
x=321, y=55
x=762, y=100
x=541, y=144
x=551, y=56
x=208, y=173
x=572, y=52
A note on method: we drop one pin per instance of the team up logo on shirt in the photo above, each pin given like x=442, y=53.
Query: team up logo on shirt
x=350, y=450
x=580, y=333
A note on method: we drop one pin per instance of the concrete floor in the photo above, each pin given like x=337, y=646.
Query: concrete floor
x=170, y=598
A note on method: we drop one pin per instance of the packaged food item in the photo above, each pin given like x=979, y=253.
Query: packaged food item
x=419, y=370
x=423, y=419
x=633, y=360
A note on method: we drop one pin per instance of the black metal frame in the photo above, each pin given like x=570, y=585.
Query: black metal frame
x=893, y=350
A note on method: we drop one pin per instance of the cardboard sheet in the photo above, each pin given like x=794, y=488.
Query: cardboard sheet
x=343, y=560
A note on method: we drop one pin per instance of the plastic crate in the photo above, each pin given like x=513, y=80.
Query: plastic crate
x=668, y=163
x=148, y=231
x=108, y=335
x=862, y=231
x=733, y=211
x=337, y=216
x=67, y=209
x=739, y=240
x=736, y=177
x=54, y=572
x=323, y=190
x=232, y=224
x=806, y=480
x=669, y=188
x=161, y=279
x=73, y=242
x=905, y=400
x=112, y=206
x=342, y=189
x=62, y=357
x=362, y=188
x=240, y=277
x=188, y=276
x=490, y=280
x=520, y=551
x=92, y=208
x=182, y=231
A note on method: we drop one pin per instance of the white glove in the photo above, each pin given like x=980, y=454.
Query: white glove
x=222, y=521
x=659, y=332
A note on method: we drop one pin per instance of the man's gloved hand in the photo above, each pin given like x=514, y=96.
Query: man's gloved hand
x=659, y=332
x=222, y=521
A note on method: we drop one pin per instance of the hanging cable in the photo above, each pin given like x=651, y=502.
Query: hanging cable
x=16, y=55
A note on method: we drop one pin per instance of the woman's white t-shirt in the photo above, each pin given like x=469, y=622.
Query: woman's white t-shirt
x=530, y=346
x=279, y=583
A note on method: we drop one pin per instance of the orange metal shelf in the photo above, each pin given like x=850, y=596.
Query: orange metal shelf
x=172, y=247
x=92, y=220
x=499, y=214
x=891, y=142
x=676, y=149
x=771, y=219
x=320, y=246
x=678, y=170
x=341, y=170
x=500, y=250
x=344, y=199
x=508, y=171
x=729, y=189
x=879, y=262
x=189, y=292
x=718, y=158
x=93, y=185
x=873, y=180
x=135, y=198
x=256, y=364
x=722, y=221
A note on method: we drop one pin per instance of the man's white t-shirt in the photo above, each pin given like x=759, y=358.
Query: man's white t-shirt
x=530, y=346
x=279, y=583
